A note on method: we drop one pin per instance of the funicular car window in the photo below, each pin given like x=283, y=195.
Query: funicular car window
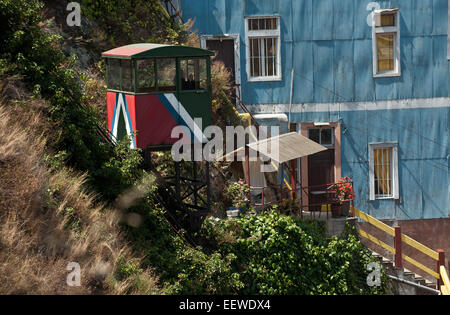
x=127, y=75
x=145, y=75
x=114, y=74
x=166, y=74
x=193, y=74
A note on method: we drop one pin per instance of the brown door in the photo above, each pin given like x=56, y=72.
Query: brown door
x=320, y=174
x=224, y=49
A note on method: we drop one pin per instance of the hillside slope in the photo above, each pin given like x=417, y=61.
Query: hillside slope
x=57, y=178
x=48, y=220
x=68, y=196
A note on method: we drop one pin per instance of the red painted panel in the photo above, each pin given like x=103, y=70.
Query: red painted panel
x=131, y=102
x=110, y=107
x=125, y=51
x=110, y=103
x=154, y=122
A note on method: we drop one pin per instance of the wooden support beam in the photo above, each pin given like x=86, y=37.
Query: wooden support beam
x=440, y=262
x=398, y=247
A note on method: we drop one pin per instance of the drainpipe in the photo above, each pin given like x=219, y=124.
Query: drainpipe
x=290, y=101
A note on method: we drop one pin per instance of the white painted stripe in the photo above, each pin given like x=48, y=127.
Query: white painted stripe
x=179, y=108
x=424, y=103
x=121, y=108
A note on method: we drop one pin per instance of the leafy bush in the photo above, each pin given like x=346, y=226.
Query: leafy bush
x=238, y=193
x=181, y=268
x=128, y=21
x=223, y=110
x=277, y=256
x=28, y=51
x=205, y=274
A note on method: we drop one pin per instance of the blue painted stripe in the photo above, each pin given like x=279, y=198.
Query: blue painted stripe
x=114, y=117
x=174, y=112
x=129, y=120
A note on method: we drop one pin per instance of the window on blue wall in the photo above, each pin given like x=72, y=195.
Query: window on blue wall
x=383, y=171
x=323, y=136
x=263, y=48
x=386, y=43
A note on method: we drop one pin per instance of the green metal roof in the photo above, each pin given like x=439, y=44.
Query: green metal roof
x=135, y=51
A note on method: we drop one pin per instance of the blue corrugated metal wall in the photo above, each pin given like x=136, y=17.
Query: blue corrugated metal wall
x=329, y=45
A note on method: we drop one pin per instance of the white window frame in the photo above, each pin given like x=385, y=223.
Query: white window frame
x=386, y=30
x=261, y=34
x=394, y=169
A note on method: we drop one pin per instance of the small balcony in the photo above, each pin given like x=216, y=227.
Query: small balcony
x=323, y=202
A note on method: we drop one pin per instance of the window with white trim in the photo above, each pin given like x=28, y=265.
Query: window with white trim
x=263, y=48
x=383, y=172
x=386, y=43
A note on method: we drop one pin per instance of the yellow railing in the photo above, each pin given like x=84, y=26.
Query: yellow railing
x=445, y=288
x=441, y=274
x=380, y=225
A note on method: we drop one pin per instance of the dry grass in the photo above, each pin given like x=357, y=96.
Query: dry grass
x=220, y=78
x=47, y=220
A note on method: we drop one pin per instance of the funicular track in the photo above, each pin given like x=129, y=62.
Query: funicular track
x=179, y=194
x=172, y=194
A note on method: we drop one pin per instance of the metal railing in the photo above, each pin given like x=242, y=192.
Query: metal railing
x=280, y=194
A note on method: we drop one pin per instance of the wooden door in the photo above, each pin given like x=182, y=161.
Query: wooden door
x=224, y=49
x=320, y=174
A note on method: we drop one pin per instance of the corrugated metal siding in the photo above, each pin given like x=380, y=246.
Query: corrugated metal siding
x=330, y=45
x=422, y=159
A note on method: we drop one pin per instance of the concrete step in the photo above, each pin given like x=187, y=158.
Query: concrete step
x=420, y=280
x=404, y=273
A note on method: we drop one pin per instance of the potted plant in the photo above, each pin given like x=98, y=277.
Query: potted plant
x=288, y=207
x=238, y=193
x=343, y=194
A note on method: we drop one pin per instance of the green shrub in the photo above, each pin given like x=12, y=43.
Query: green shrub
x=275, y=255
x=26, y=50
x=127, y=22
x=205, y=274
x=181, y=268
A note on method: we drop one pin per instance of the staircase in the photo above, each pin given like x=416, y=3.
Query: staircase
x=404, y=280
x=406, y=287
